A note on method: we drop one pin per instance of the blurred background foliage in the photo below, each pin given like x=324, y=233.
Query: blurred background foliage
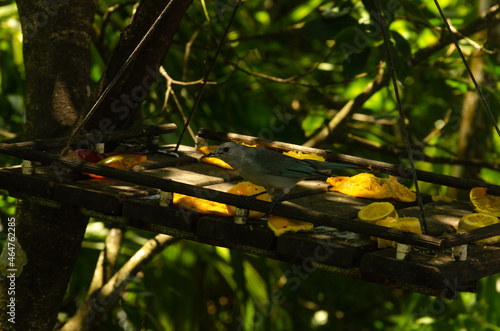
x=284, y=63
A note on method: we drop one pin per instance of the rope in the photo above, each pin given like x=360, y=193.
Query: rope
x=476, y=85
x=205, y=79
x=423, y=224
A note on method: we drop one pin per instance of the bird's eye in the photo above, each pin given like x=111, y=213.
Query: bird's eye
x=226, y=149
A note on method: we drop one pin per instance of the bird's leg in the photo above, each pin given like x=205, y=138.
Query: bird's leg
x=254, y=196
x=274, y=202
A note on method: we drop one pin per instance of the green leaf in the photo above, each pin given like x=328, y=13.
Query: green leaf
x=402, y=45
x=327, y=28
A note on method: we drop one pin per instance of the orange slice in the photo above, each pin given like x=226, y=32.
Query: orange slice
x=280, y=225
x=476, y=221
x=366, y=185
x=411, y=224
x=205, y=150
x=201, y=206
x=305, y=156
x=377, y=211
x=247, y=188
x=485, y=203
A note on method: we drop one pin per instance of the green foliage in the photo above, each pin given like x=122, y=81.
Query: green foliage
x=286, y=69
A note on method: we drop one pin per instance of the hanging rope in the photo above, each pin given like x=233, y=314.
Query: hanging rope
x=423, y=223
x=205, y=79
x=476, y=85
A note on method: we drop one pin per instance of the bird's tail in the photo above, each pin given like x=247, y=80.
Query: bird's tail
x=325, y=168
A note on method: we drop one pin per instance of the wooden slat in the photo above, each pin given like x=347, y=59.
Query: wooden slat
x=86, y=140
x=149, y=211
x=12, y=180
x=439, y=272
x=254, y=233
x=327, y=246
x=102, y=195
x=442, y=217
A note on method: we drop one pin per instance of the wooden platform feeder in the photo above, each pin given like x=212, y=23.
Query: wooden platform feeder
x=433, y=264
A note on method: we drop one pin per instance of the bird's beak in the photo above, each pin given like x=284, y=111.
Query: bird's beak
x=212, y=154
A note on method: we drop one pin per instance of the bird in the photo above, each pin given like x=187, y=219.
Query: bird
x=276, y=172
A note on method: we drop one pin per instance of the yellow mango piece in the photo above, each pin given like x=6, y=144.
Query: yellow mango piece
x=247, y=188
x=201, y=206
x=366, y=185
x=485, y=203
x=411, y=224
x=280, y=225
x=476, y=221
x=305, y=156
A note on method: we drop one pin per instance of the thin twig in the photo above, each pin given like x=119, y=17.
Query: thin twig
x=423, y=223
x=471, y=75
x=103, y=299
x=205, y=79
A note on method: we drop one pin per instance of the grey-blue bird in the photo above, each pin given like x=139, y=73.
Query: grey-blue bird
x=277, y=172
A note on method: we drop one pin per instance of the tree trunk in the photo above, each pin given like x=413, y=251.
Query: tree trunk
x=119, y=108
x=56, y=47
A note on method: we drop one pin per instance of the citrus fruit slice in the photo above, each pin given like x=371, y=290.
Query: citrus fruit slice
x=476, y=221
x=280, y=225
x=485, y=203
x=411, y=224
x=248, y=188
x=305, y=156
x=377, y=211
x=366, y=185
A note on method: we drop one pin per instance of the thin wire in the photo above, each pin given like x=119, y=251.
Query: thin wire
x=205, y=79
x=476, y=85
x=423, y=223
x=129, y=60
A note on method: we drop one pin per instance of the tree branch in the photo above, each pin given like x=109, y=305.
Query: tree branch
x=329, y=133
x=104, y=298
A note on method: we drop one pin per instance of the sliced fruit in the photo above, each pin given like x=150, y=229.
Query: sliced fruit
x=476, y=221
x=248, y=188
x=280, y=225
x=201, y=206
x=377, y=211
x=411, y=224
x=485, y=203
x=85, y=155
x=366, y=185
x=205, y=150
x=304, y=156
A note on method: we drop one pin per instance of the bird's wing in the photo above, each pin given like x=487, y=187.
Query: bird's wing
x=285, y=166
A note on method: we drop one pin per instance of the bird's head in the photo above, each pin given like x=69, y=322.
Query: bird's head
x=227, y=151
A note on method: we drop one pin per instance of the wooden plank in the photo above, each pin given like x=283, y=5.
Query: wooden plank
x=86, y=140
x=149, y=210
x=441, y=217
x=333, y=204
x=327, y=246
x=439, y=271
x=197, y=174
x=166, y=158
x=103, y=195
x=254, y=233
x=12, y=180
